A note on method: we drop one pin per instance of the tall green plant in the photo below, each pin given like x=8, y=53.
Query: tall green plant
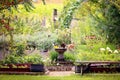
x=67, y=13
x=110, y=19
x=106, y=12
x=53, y=55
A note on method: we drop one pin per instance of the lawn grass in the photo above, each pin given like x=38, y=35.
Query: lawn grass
x=72, y=77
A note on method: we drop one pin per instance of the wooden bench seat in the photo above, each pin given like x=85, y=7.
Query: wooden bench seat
x=97, y=66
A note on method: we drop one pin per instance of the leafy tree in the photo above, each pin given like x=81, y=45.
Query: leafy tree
x=110, y=10
x=7, y=4
x=6, y=17
x=105, y=12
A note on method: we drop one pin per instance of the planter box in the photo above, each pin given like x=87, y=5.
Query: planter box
x=23, y=68
x=16, y=67
x=37, y=68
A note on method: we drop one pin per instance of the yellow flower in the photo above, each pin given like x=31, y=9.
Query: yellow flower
x=56, y=47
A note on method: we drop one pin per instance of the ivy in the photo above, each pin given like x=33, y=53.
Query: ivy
x=67, y=14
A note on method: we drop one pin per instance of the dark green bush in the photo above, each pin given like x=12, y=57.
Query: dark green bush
x=13, y=59
x=53, y=55
x=69, y=56
x=34, y=59
x=20, y=49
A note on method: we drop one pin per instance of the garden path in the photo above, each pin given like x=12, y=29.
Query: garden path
x=61, y=73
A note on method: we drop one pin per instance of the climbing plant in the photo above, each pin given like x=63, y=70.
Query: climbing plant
x=68, y=11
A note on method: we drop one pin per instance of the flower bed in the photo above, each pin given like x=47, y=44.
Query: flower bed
x=15, y=67
x=22, y=68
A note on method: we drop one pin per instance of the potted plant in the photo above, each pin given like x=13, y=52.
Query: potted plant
x=24, y=63
x=64, y=37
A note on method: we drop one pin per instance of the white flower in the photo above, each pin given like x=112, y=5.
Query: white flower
x=58, y=64
x=110, y=51
x=115, y=51
x=102, y=49
x=108, y=48
x=44, y=60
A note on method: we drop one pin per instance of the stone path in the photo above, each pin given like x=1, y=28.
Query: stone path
x=61, y=73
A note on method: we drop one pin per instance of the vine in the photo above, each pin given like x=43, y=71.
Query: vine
x=67, y=14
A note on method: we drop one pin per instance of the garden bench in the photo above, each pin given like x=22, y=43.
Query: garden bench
x=97, y=66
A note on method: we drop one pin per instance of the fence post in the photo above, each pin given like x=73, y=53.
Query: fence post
x=55, y=17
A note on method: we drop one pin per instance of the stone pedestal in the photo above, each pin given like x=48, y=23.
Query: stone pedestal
x=60, y=54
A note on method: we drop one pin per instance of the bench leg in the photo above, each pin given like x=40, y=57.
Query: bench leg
x=81, y=70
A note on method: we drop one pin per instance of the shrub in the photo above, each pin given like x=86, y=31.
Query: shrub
x=98, y=57
x=20, y=49
x=10, y=59
x=32, y=59
x=44, y=40
x=64, y=36
x=69, y=56
x=53, y=55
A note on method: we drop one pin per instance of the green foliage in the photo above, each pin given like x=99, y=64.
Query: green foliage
x=113, y=17
x=103, y=76
x=20, y=48
x=15, y=59
x=101, y=54
x=109, y=19
x=53, y=55
x=26, y=25
x=10, y=59
x=8, y=4
x=67, y=13
x=42, y=40
x=34, y=59
x=69, y=56
x=45, y=40
x=106, y=12
x=64, y=36
x=98, y=57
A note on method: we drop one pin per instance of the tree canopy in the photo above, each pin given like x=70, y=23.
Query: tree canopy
x=105, y=12
x=7, y=4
